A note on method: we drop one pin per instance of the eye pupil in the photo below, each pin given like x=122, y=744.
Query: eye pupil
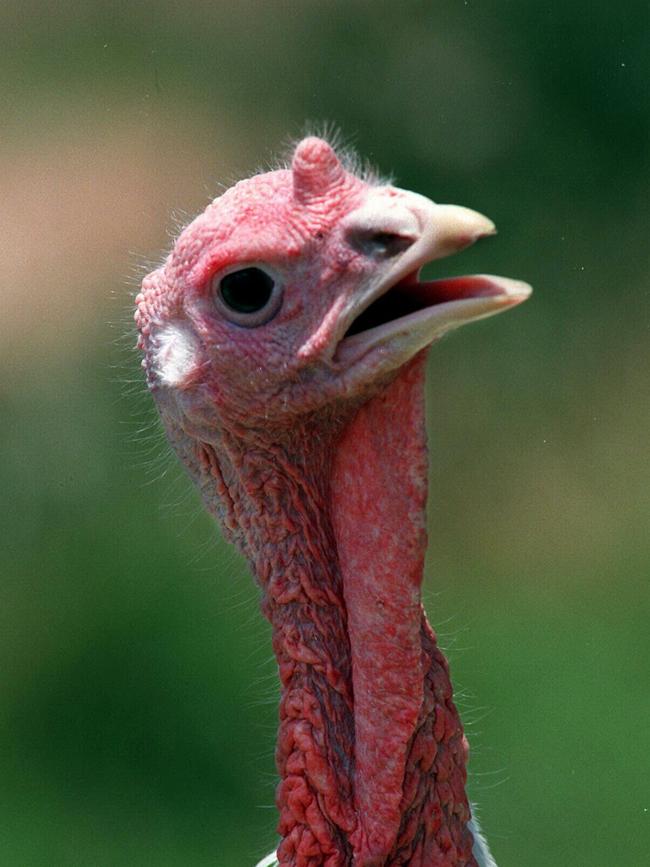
x=247, y=290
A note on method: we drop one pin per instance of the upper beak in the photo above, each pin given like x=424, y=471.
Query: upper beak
x=451, y=228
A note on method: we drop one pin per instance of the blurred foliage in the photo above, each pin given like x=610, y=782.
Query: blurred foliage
x=138, y=691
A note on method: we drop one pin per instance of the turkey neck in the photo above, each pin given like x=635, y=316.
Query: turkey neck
x=370, y=747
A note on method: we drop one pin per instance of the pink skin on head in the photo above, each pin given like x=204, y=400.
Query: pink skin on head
x=302, y=424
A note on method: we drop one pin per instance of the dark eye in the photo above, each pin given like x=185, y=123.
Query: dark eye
x=249, y=296
x=248, y=290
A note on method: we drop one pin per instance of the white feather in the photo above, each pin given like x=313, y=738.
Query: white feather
x=176, y=351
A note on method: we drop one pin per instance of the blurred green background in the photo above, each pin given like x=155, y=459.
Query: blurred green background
x=137, y=698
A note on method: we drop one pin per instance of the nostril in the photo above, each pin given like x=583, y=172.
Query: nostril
x=380, y=245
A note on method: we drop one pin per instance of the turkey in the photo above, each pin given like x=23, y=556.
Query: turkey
x=285, y=340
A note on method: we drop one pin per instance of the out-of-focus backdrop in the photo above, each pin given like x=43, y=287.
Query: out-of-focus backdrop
x=137, y=689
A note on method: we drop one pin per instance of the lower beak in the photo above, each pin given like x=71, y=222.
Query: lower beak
x=442, y=305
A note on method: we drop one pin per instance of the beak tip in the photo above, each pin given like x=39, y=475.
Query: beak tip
x=483, y=227
x=517, y=290
x=458, y=227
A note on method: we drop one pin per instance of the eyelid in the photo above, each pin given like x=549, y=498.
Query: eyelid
x=240, y=265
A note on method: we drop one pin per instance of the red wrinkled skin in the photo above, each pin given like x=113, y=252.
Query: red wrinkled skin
x=370, y=746
x=410, y=761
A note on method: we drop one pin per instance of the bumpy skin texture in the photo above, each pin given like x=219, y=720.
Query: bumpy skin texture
x=310, y=450
x=410, y=754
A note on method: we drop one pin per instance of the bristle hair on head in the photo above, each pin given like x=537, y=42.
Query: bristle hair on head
x=341, y=144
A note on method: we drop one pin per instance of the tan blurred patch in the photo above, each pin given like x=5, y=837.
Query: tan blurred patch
x=84, y=205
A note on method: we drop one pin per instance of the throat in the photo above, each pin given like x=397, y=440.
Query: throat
x=370, y=747
x=409, y=776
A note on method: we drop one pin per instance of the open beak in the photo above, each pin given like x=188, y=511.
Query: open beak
x=400, y=314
